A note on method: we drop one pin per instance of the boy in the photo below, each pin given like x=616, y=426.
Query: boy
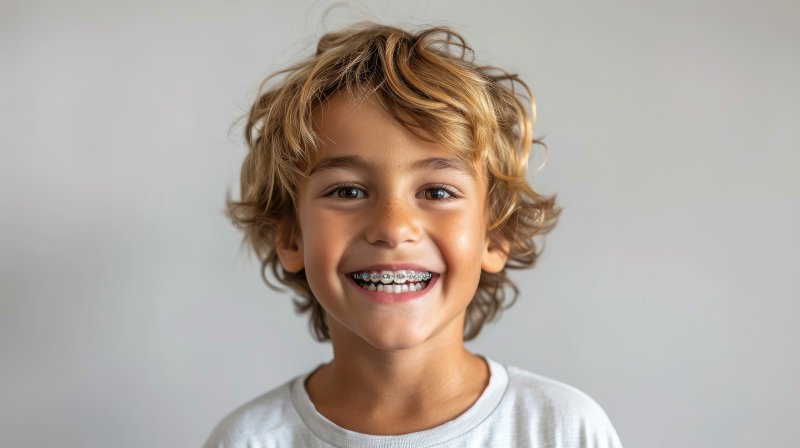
x=386, y=185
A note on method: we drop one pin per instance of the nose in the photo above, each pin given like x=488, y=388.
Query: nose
x=393, y=222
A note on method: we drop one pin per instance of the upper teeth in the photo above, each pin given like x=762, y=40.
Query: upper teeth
x=387, y=277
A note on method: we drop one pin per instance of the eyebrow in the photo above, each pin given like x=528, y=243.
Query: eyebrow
x=359, y=163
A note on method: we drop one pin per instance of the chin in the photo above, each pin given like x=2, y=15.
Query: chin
x=403, y=339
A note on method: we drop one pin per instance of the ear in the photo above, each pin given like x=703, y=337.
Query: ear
x=290, y=248
x=495, y=253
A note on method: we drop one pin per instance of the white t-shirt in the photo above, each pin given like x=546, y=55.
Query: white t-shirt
x=517, y=409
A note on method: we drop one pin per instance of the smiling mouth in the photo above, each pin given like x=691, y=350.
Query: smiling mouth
x=392, y=282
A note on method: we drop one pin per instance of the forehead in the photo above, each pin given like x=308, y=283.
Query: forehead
x=359, y=133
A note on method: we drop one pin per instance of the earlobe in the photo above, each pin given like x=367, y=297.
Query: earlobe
x=290, y=252
x=495, y=253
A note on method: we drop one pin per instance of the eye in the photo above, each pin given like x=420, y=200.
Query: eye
x=348, y=192
x=438, y=193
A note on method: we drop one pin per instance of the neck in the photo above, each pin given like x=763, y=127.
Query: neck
x=383, y=391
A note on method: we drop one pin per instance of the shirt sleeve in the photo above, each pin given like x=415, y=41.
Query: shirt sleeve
x=590, y=427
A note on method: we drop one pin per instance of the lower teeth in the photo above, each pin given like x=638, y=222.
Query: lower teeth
x=394, y=288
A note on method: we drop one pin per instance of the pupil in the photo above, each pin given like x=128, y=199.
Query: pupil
x=438, y=193
x=348, y=192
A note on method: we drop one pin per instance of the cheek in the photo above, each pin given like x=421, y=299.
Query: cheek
x=462, y=239
x=324, y=240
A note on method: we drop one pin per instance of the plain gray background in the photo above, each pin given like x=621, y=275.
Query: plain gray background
x=668, y=292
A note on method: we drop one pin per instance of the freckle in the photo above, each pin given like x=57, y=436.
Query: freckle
x=390, y=208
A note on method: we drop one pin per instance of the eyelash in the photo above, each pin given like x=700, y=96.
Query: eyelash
x=449, y=190
x=334, y=190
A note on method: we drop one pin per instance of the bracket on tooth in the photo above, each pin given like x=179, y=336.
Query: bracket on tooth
x=376, y=277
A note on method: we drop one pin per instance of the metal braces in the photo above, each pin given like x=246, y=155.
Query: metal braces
x=376, y=277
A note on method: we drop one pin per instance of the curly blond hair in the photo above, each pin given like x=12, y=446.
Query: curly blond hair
x=426, y=80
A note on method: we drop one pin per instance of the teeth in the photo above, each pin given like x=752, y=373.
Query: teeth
x=389, y=277
x=392, y=282
x=395, y=289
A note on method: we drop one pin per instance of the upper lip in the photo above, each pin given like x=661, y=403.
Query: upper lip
x=395, y=267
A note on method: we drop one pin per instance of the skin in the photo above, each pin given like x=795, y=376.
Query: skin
x=398, y=367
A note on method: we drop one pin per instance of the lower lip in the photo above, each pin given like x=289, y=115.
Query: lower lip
x=396, y=297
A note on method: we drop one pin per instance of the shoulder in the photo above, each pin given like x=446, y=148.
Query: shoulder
x=550, y=395
x=266, y=420
x=558, y=412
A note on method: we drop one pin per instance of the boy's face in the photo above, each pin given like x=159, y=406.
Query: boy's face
x=364, y=209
